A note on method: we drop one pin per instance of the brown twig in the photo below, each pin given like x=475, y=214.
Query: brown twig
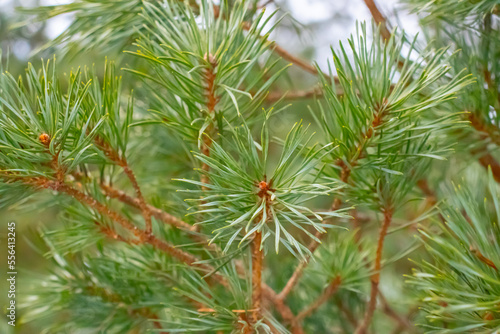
x=209, y=76
x=297, y=61
x=121, y=161
x=283, y=309
x=323, y=298
x=375, y=278
x=430, y=195
x=295, y=95
x=111, y=233
x=157, y=213
x=379, y=18
x=257, y=257
x=142, y=202
x=267, y=292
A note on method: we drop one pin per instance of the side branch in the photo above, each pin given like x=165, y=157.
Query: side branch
x=297, y=61
x=295, y=95
x=157, y=213
x=114, y=156
x=103, y=209
x=142, y=202
x=329, y=291
x=375, y=278
x=345, y=173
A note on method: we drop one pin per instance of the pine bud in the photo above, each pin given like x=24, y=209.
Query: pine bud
x=44, y=139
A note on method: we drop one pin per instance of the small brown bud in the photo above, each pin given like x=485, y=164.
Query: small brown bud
x=488, y=316
x=44, y=139
x=263, y=185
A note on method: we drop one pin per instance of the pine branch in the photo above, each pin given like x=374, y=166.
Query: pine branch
x=329, y=291
x=423, y=185
x=142, y=202
x=284, y=310
x=111, y=233
x=267, y=292
x=142, y=235
x=345, y=172
x=375, y=278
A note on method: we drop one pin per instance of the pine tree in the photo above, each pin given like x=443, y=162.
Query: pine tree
x=183, y=208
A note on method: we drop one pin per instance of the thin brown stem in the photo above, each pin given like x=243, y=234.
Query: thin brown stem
x=209, y=76
x=430, y=195
x=379, y=18
x=142, y=202
x=257, y=259
x=111, y=233
x=375, y=278
x=44, y=183
x=297, y=61
x=121, y=161
x=295, y=95
x=329, y=291
x=157, y=213
x=283, y=309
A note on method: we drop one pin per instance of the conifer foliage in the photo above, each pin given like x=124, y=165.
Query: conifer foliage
x=181, y=208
